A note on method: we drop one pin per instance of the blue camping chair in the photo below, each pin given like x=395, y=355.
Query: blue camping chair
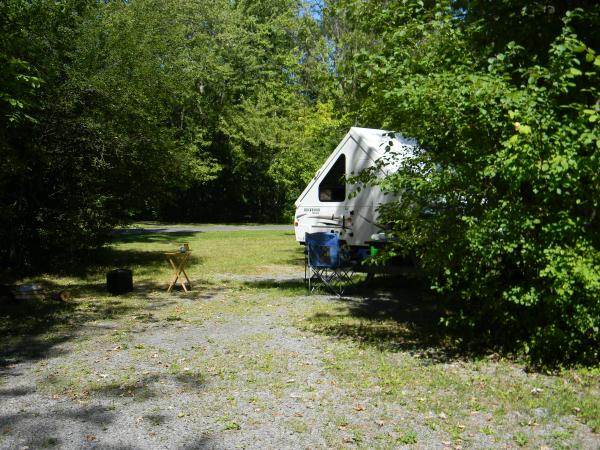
x=325, y=264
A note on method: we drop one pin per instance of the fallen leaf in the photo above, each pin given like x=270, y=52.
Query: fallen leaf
x=343, y=427
x=359, y=408
x=298, y=414
x=181, y=414
x=90, y=437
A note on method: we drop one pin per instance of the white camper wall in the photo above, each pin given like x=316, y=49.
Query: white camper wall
x=355, y=219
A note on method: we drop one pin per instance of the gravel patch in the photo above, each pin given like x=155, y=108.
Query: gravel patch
x=242, y=377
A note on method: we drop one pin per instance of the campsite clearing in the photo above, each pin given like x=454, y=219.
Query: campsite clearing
x=248, y=360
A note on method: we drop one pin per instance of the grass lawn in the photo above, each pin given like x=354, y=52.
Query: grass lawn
x=247, y=359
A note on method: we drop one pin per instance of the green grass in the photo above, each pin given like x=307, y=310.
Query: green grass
x=154, y=224
x=239, y=252
x=387, y=347
x=415, y=364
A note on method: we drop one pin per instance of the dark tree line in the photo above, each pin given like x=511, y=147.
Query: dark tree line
x=180, y=110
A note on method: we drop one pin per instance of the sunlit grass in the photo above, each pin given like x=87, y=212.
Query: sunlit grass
x=416, y=366
x=387, y=348
x=235, y=252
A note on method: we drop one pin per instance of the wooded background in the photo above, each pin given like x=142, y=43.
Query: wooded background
x=222, y=110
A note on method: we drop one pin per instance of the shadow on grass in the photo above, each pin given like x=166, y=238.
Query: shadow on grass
x=147, y=236
x=397, y=314
x=288, y=284
x=36, y=327
x=28, y=328
x=109, y=258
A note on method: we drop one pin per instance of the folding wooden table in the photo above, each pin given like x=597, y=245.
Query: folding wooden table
x=178, y=261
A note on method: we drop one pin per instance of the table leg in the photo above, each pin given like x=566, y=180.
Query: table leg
x=186, y=277
x=181, y=279
x=174, y=280
x=179, y=269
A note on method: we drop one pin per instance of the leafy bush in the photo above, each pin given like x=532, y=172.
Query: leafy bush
x=501, y=202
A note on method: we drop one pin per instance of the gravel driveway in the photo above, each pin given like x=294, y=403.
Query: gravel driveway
x=228, y=366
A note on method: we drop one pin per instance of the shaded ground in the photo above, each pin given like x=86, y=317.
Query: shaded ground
x=181, y=229
x=250, y=361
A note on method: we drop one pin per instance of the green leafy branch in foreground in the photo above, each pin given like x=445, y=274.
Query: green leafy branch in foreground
x=501, y=202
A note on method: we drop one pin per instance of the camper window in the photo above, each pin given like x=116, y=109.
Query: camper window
x=333, y=186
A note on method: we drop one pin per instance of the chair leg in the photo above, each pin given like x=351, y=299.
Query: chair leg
x=335, y=281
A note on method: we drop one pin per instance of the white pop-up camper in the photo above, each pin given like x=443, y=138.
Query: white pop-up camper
x=326, y=203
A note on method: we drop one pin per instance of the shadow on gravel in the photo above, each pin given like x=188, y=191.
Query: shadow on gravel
x=396, y=314
x=199, y=443
x=294, y=284
x=34, y=328
x=149, y=386
x=42, y=431
x=49, y=430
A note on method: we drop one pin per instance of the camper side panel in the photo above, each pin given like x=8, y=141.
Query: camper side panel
x=325, y=206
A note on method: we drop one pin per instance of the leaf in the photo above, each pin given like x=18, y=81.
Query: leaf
x=525, y=129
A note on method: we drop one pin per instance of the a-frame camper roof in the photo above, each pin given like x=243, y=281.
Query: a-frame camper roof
x=371, y=143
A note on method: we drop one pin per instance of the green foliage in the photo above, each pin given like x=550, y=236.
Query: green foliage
x=114, y=109
x=500, y=203
x=223, y=111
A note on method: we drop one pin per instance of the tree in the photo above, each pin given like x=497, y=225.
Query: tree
x=101, y=135
x=130, y=105
x=500, y=202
